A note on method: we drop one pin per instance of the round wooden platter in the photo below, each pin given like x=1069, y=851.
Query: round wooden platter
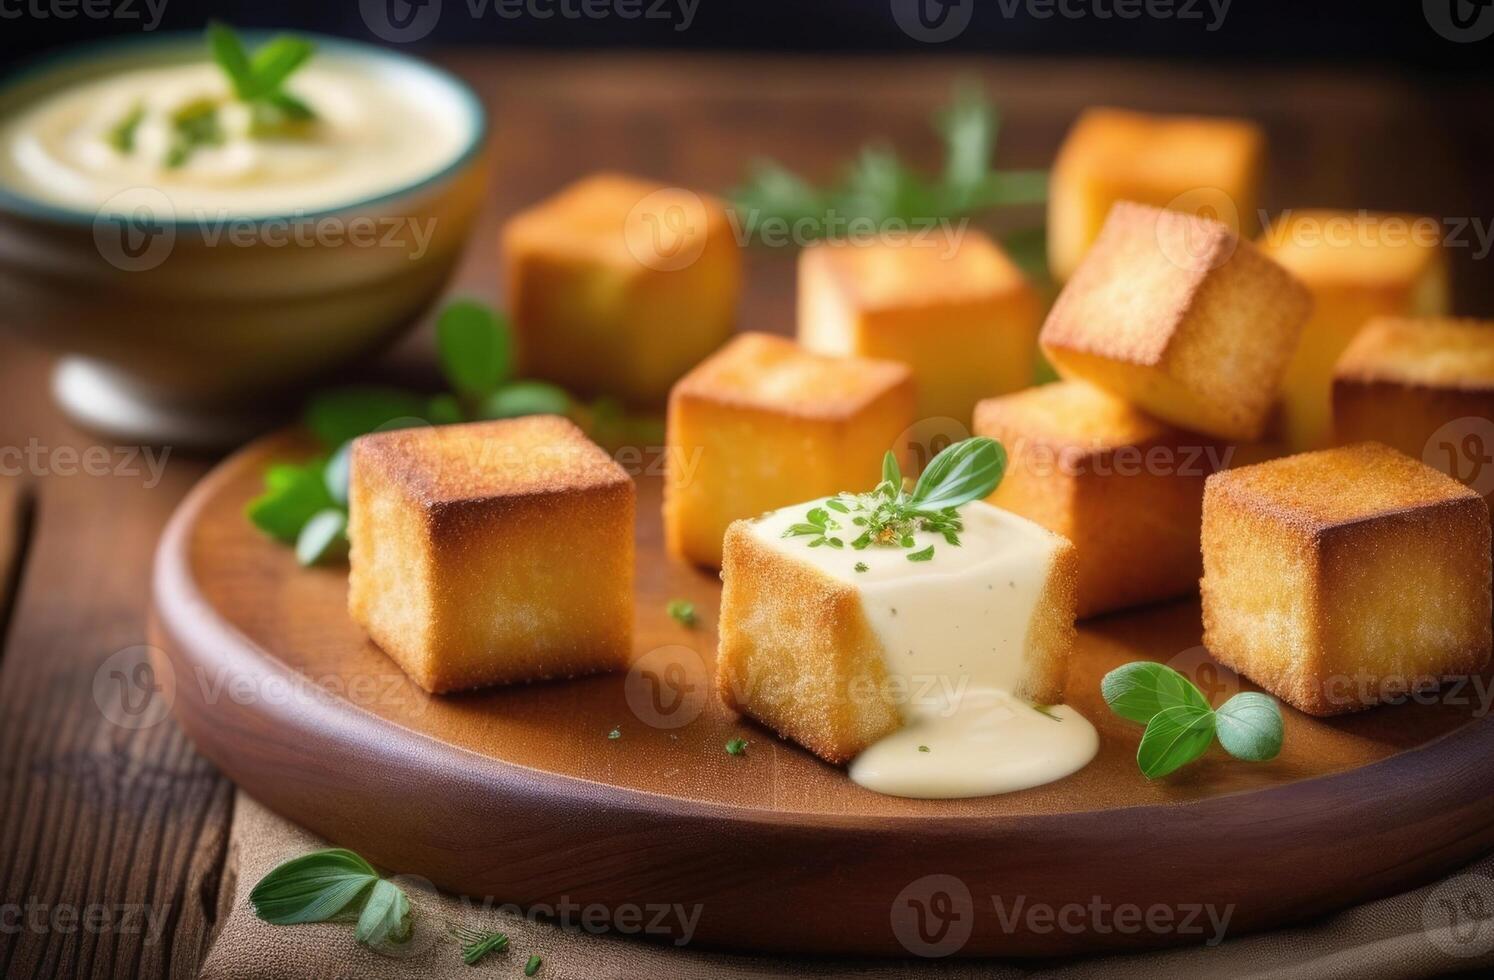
x=520, y=795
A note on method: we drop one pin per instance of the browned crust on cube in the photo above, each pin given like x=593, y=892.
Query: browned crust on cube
x=1433, y=353
x=1320, y=524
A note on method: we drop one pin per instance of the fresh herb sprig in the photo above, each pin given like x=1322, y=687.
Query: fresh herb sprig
x=879, y=187
x=330, y=884
x=889, y=516
x=259, y=79
x=682, y=611
x=306, y=504
x=1180, y=723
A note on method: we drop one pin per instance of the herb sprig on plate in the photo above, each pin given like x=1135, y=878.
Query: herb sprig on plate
x=1181, y=724
x=305, y=504
x=878, y=186
x=889, y=516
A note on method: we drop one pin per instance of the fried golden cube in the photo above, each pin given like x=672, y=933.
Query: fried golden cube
x=1201, y=165
x=618, y=286
x=1358, y=266
x=1182, y=317
x=763, y=423
x=801, y=650
x=1425, y=387
x=955, y=310
x=492, y=552
x=1126, y=489
x=1340, y=578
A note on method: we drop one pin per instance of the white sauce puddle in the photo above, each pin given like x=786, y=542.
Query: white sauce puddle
x=954, y=631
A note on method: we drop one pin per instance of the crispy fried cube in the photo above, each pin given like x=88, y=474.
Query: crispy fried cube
x=806, y=640
x=1206, y=166
x=1340, y=578
x=1182, y=317
x=763, y=423
x=1425, y=387
x=619, y=286
x=492, y=552
x=1126, y=489
x=1357, y=265
x=956, y=311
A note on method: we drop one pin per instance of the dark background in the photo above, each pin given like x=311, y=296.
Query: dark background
x=1387, y=34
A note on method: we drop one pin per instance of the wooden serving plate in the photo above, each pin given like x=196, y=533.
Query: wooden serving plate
x=521, y=795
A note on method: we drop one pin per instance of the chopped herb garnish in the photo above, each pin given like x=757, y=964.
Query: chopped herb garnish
x=889, y=516
x=476, y=945
x=193, y=127
x=736, y=746
x=616, y=733
x=258, y=80
x=862, y=566
x=122, y=134
x=532, y=967
x=923, y=748
x=682, y=611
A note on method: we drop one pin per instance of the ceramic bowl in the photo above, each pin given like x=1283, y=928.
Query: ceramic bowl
x=189, y=331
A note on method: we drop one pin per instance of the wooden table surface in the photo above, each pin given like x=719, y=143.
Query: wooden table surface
x=105, y=829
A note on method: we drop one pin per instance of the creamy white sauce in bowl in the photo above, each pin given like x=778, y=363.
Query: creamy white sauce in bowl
x=953, y=631
x=385, y=124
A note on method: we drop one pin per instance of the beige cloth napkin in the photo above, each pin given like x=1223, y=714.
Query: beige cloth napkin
x=1410, y=935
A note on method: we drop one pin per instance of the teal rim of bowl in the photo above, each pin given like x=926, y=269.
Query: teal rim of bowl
x=40, y=68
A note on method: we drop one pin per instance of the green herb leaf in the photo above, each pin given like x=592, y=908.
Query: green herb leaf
x=341, y=414
x=862, y=566
x=274, y=62
x=682, y=611
x=525, y=398
x=228, y=52
x=312, y=888
x=444, y=410
x=475, y=346
x=1250, y=727
x=969, y=126
x=925, y=555
x=891, y=472
x=964, y=471
x=923, y=748
x=477, y=945
x=1173, y=738
x=532, y=967
x=1138, y=691
x=293, y=496
x=385, y=916
x=337, y=473
x=323, y=537
x=736, y=746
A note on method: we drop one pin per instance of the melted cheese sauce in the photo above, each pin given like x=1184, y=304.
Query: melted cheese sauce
x=953, y=630
x=377, y=129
